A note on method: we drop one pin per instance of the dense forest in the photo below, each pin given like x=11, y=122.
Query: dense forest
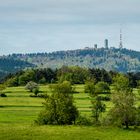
x=121, y=60
x=10, y=65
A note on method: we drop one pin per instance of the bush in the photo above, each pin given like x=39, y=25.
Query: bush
x=42, y=95
x=3, y=95
x=102, y=87
x=32, y=95
x=12, y=82
x=82, y=120
x=90, y=88
x=35, y=91
x=31, y=86
x=64, y=87
x=104, y=98
x=42, y=81
x=95, y=89
x=2, y=87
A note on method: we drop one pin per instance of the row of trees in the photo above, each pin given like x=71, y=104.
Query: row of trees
x=75, y=75
x=40, y=76
x=60, y=109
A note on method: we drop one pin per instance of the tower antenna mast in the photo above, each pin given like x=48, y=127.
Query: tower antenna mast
x=120, y=44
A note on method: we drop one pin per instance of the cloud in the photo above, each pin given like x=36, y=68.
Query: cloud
x=66, y=24
x=52, y=11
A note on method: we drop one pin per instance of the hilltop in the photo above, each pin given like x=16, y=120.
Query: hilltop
x=121, y=60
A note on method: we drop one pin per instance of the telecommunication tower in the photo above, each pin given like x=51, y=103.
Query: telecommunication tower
x=120, y=44
x=106, y=43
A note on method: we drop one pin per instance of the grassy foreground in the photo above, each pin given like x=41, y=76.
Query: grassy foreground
x=28, y=132
x=18, y=112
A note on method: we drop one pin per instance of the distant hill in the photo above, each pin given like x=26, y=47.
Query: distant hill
x=12, y=65
x=122, y=60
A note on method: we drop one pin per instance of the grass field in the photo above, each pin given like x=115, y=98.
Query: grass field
x=18, y=112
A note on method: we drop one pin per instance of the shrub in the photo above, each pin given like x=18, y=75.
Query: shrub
x=42, y=95
x=31, y=86
x=82, y=120
x=35, y=91
x=3, y=95
x=12, y=82
x=104, y=98
x=32, y=95
x=90, y=88
x=42, y=81
x=95, y=89
x=2, y=87
x=64, y=87
x=102, y=87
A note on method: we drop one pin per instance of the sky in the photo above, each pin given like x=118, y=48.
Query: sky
x=31, y=26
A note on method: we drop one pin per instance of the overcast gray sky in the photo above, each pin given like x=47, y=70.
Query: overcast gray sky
x=49, y=25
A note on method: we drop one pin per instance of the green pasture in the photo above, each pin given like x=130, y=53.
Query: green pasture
x=18, y=112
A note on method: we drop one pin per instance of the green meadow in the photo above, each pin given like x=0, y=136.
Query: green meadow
x=18, y=112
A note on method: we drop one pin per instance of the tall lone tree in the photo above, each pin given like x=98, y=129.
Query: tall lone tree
x=124, y=111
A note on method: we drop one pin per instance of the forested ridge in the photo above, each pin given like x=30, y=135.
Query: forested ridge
x=11, y=65
x=112, y=59
x=121, y=60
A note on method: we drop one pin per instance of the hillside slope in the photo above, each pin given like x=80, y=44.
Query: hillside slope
x=11, y=65
x=122, y=60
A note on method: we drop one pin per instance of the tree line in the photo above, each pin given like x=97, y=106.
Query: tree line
x=75, y=74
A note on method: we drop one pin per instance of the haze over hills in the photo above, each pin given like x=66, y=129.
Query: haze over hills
x=116, y=59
